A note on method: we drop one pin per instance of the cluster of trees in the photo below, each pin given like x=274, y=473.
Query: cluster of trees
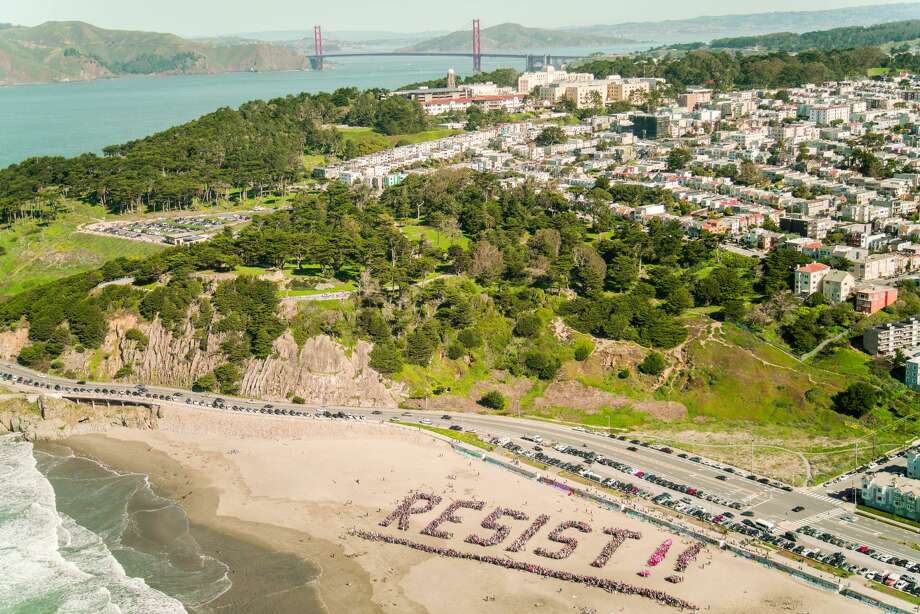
x=255, y=149
x=525, y=245
x=390, y=115
x=502, y=77
x=837, y=38
x=725, y=70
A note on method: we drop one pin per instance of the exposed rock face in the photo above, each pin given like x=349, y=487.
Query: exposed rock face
x=12, y=342
x=52, y=419
x=321, y=372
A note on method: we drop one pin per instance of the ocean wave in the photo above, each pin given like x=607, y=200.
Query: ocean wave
x=49, y=562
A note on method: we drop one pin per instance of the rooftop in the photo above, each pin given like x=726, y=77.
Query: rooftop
x=814, y=267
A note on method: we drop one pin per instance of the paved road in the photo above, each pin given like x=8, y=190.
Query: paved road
x=767, y=502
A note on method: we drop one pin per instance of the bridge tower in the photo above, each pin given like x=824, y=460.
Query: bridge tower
x=318, y=48
x=477, y=47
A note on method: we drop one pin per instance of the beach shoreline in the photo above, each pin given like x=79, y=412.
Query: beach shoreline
x=301, y=489
x=272, y=569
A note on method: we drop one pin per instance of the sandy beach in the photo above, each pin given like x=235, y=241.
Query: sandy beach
x=278, y=499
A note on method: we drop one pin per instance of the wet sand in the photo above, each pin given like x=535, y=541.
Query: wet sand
x=272, y=569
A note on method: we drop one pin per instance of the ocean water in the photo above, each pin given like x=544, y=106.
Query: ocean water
x=73, y=118
x=76, y=536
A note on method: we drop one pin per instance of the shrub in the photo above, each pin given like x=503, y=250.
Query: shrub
x=583, y=349
x=493, y=400
x=541, y=364
x=385, y=358
x=87, y=323
x=32, y=355
x=470, y=338
x=228, y=378
x=125, y=371
x=456, y=351
x=857, y=400
x=371, y=323
x=528, y=326
x=421, y=343
x=205, y=383
x=298, y=400
x=138, y=337
x=653, y=364
x=624, y=373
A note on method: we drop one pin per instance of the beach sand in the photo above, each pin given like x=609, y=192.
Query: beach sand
x=276, y=498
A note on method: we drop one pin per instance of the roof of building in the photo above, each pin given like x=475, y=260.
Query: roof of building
x=902, y=484
x=873, y=289
x=837, y=277
x=814, y=267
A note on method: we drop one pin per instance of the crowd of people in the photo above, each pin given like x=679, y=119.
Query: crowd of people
x=570, y=543
x=611, y=586
x=448, y=516
x=619, y=536
x=518, y=544
x=404, y=509
x=660, y=552
x=501, y=530
x=688, y=556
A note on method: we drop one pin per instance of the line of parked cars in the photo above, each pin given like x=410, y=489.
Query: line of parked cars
x=902, y=582
x=703, y=461
x=591, y=457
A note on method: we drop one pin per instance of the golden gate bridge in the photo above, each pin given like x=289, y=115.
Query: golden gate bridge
x=532, y=61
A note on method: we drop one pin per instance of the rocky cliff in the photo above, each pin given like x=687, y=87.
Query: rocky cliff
x=322, y=372
x=47, y=418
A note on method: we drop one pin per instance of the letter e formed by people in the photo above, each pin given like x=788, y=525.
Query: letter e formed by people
x=448, y=516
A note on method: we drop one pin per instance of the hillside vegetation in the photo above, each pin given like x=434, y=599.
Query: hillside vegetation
x=515, y=37
x=837, y=38
x=750, y=24
x=77, y=51
x=466, y=295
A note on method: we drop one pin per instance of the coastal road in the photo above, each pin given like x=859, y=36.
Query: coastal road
x=766, y=501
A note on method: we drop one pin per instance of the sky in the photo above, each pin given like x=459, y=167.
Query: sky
x=224, y=17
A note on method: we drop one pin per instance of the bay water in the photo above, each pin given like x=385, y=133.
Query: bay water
x=73, y=118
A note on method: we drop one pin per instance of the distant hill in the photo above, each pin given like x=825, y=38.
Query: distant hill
x=837, y=38
x=77, y=51
x=513, y=37
x=708, y=28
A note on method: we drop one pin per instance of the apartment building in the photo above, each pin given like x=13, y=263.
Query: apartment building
x=872, y=299
x=808, y=278
x=878, y=266
x=913, y=463
x=693, y=97
x=892, y=494
x=825, y=114
x=628, y=90
x=837, y=286
x=811, y=227
x=887, y=339
x=651, y=125
x=529, y=81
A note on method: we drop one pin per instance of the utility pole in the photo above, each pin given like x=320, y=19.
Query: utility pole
x=854, y=472
x=752, y=454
